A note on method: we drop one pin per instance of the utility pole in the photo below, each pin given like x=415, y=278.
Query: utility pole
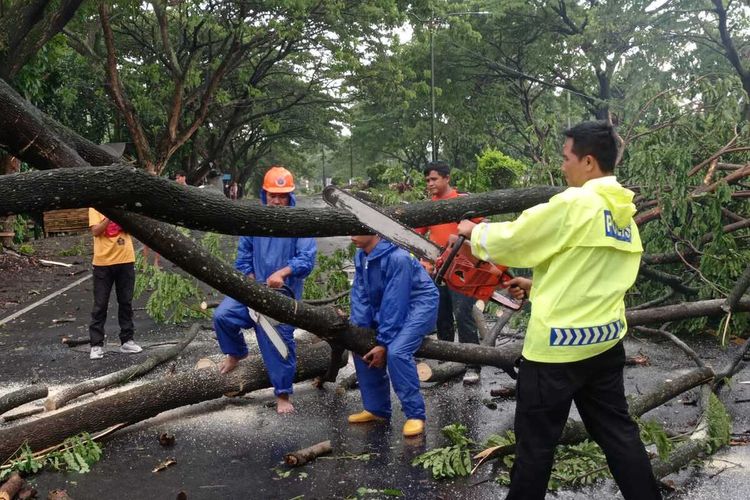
x=351, y=157
x=323, y=150
x=434, y=145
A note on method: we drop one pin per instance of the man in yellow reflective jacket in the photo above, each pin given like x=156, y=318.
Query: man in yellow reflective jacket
x=585, y=250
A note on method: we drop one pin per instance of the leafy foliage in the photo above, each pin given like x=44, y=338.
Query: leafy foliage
x=719, y=424
x=450, y=461
x=329, y=277
x=77, y=453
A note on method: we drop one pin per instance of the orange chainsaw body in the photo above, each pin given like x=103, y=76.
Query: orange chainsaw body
x=468, y=275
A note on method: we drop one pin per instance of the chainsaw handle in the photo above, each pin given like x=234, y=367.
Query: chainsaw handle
x=454, y=250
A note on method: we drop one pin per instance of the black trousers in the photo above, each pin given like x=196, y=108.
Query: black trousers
x=544, y=393
x=122, y=276
x=455, y=305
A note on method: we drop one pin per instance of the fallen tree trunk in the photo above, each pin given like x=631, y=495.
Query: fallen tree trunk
x=22, y=396
x=208, y=210
x=119, y=377
x=439, y=372
x=305, y=455
x=150, y=399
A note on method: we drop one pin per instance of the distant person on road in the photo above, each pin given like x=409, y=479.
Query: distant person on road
x=394, y=295
x=454, y=313
x=277, y=262
x=113, y=262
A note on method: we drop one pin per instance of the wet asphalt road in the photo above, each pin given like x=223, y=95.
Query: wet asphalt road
x=233, y=447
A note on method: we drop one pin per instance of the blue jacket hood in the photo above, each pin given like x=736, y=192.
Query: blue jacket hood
x=264, y=199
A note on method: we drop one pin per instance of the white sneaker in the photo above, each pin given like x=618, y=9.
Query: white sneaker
x=130, y=347
x=471, y=376
x=97, y=352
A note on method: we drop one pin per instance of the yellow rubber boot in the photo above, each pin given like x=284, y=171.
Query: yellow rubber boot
x=363, y=417
x=413, y=427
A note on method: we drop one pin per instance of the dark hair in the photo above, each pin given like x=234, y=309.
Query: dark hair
x=438, y=166
x=180, y=173
x=595, y=138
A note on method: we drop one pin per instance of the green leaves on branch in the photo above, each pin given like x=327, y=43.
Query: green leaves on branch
x=451, y=461
x=77, y=453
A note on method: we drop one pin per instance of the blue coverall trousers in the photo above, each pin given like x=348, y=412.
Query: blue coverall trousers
x=230, y=318
x=400, y=371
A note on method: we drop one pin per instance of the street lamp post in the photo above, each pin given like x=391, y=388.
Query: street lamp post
x=433, y=144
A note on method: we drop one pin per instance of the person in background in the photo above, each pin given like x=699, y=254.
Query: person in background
x=454, y=312
x=114, y=264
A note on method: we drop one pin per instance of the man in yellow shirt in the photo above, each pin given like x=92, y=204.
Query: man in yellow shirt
x=585, y=250
x=114, y=260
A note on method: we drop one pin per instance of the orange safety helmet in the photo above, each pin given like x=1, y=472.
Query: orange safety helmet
x=278, y=180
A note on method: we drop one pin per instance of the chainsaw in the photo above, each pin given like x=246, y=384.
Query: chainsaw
x=455, y=264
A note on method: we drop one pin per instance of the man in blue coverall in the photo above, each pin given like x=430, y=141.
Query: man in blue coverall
x=277, y=262
x=393, y=294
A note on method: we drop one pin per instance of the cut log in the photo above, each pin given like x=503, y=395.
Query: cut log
x=11, y=487
x=305, y=455
x=504, y=391
x=150, y=399
x=22, y=396
x=439, y=372
x=119, y=377
x=73, y=342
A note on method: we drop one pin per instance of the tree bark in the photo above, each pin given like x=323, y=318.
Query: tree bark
x=148, y=400
x=22, y=396
x=205, y=210
x=66, y=395
x=27, y=26
x=305, y=455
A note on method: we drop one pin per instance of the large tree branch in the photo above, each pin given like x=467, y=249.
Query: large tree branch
x=200, y=209
x=116, y=90
x=27, y=27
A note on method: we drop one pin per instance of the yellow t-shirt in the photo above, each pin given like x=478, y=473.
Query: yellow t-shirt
x=113, y=246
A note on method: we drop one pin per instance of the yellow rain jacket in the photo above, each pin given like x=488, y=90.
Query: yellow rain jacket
x=585, y=250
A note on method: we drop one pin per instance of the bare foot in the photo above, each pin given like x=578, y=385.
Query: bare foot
x=283, y=405
x=229, y=363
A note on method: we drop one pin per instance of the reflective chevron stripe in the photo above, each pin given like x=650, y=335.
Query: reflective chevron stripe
x=585, y=336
